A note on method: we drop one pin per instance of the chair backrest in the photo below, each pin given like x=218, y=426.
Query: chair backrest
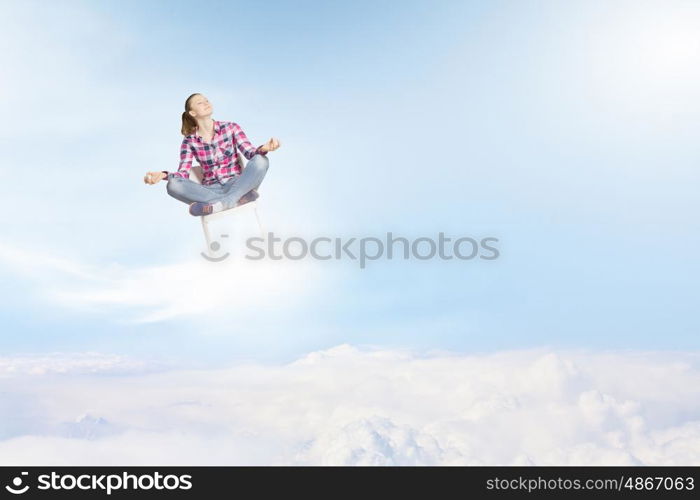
x=197, y=174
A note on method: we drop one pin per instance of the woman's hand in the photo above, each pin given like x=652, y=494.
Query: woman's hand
x=270, y=145
x=153, y=177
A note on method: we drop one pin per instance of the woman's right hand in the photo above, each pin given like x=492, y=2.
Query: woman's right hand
x=153, y=177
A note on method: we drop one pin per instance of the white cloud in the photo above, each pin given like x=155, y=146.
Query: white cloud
x=186, y=288
x=73, y=364
x=348, y=405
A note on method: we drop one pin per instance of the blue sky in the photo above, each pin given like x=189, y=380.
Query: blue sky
x=567, y=130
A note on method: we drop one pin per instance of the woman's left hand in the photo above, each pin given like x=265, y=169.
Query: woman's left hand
x=270, y=145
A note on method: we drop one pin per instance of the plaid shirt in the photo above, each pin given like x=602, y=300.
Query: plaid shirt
x=218, y=159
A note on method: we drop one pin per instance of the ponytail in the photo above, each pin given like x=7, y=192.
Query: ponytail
x=189, y=124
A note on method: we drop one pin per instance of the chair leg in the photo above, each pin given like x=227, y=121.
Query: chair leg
x=207, y=236
x=255, y=209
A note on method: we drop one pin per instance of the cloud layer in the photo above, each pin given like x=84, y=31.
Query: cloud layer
x=359, y=406
x=190, y=287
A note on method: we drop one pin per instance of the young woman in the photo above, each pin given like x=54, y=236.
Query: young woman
x=214, y=144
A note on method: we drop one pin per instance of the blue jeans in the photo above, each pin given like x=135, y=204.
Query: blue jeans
x=229, y=193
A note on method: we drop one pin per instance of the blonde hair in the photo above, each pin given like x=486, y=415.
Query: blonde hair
x=189, y=124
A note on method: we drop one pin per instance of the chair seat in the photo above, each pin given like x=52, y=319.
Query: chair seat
x=206, y=219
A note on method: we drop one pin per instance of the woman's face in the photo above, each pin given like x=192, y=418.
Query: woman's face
x=200, y=107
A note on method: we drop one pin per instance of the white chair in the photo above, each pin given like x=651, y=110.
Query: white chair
x=197, y=176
